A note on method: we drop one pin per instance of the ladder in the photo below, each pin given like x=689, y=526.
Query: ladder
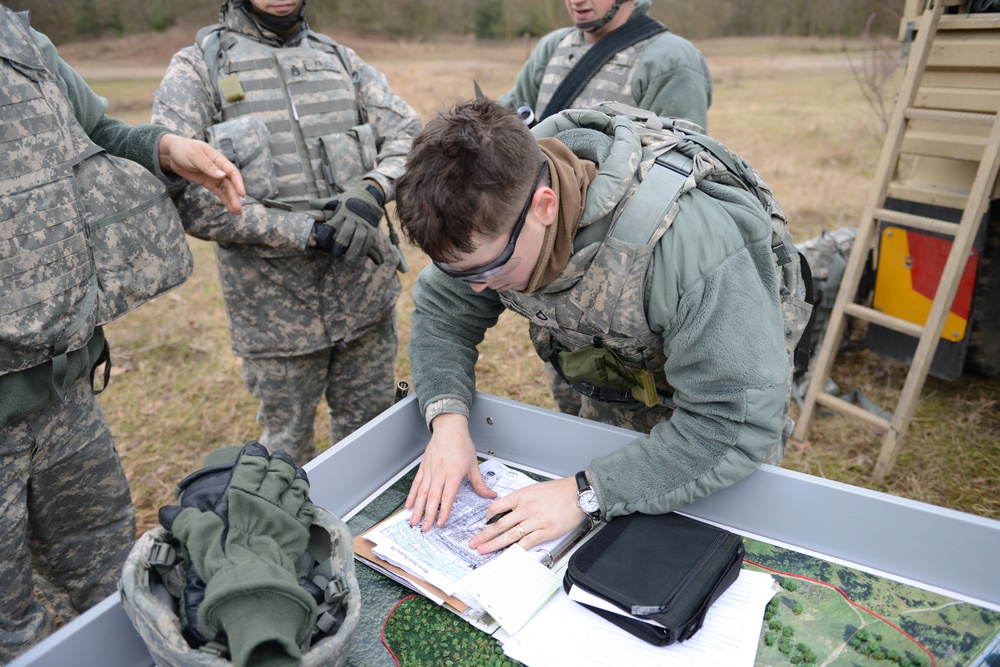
x=963, y=235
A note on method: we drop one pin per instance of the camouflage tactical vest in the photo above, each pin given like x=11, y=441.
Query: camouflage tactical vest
x=612, y=82
x=84, y=236
x=606, y=299
x=305, y=95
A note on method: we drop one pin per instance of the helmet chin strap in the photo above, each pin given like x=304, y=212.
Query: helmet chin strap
x=597, y=24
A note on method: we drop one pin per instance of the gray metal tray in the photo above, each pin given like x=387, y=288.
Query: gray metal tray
x=956, y=552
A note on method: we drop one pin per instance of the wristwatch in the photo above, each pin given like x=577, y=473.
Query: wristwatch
x=587, y=499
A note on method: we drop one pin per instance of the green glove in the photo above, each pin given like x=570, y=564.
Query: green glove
x=246, y=550
x=354, y=215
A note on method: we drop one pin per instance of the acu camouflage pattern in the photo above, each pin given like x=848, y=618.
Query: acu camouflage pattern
x=154, y=612
x=301, y=93
x=612, y=82
x=86, y=236
x=246, y=143
x=355, y=378
x=602, y=293
x=283, y=299
x=827, y=255
x=74, y=528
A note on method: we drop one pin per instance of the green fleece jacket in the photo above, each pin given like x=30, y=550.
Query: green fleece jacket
x=31, y=390
x=712, y=296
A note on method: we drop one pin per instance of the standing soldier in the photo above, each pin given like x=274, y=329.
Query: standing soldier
x=84, y=237
x=614, y=52
x=308, y=279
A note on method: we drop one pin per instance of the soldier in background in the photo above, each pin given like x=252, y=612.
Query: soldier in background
x=643, y=65
x=309, y=280
x=66, y=515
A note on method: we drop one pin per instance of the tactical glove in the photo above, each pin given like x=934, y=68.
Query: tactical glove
x=200, y=490
x=354, y=216
x=245, y=549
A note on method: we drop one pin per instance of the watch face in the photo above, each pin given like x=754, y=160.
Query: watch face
x=588, y=502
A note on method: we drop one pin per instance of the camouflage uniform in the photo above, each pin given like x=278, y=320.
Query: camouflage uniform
x=66, y=514
x=698, y=307
x=313, y=107
x=665, y=74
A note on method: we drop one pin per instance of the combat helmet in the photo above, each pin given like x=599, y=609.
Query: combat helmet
x=153, y=577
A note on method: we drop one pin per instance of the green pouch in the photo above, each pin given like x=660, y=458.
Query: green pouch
x=598, y=366
x=601, y=367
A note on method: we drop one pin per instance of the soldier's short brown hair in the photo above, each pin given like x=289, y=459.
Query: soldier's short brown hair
x=466, y=177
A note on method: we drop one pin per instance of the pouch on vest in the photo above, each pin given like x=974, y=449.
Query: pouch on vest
x=347, y=156
x=601, y=367
x=245, y=142
x=138, y=241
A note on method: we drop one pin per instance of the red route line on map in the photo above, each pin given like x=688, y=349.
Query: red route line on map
x=850, y=602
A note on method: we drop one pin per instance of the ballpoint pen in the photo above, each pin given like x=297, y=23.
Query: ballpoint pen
x=496, y=517
x=566, y=543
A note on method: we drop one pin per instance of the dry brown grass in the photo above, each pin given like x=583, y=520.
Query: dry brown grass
x=792, y=108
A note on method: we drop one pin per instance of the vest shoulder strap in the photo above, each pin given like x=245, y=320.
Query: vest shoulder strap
x=649, y=205
x=210, y=42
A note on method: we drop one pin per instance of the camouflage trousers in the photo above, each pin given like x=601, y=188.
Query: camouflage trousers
x=643, y=420
x=66, y=517
x=356, y=379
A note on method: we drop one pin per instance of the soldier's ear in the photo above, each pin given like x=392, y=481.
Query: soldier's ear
x=546, y=205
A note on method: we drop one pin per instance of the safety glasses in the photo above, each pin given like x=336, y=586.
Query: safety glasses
x=503, y=263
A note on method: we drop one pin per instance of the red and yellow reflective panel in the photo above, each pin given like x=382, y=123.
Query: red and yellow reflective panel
x=910, y=265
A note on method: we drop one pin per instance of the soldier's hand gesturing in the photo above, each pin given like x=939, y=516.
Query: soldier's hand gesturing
x=201, y=164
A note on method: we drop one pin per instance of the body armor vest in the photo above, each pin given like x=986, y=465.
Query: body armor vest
x=605, y=301
x=605, y=306
x=303, y=94
x=612, y=82
x=85, y=236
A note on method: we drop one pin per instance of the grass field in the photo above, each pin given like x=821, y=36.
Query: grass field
x=792, y=108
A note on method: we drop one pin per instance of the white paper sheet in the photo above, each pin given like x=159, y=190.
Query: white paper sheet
x=512, y=588
x=566, y=633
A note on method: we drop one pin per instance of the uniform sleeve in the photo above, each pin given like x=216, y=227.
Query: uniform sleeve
x=529, y=79
x=673, y=80
x=726, y=360
x=449, y=320
x=185, y=104
x=394, y=122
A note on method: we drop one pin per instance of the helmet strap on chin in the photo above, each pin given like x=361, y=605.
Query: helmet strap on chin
x=597, y=24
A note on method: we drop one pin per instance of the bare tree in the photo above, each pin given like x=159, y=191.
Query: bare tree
x=880, y=57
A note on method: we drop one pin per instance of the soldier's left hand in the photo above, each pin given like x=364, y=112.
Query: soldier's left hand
x=537, y=513
x=199, y=163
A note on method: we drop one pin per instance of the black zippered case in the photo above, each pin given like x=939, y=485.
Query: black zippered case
x=662, y=567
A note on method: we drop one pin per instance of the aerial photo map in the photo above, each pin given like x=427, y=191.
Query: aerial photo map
x=828, y=614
